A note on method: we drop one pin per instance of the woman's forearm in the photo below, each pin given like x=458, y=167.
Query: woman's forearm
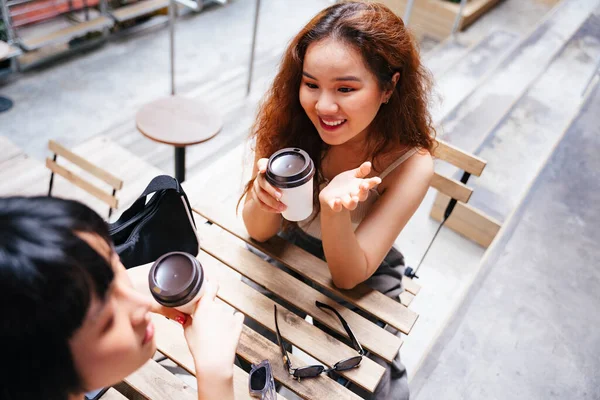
x=213, y=385
x=261, y=225
x=346, y=260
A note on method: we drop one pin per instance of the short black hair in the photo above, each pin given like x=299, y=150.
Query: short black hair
x=48, y=275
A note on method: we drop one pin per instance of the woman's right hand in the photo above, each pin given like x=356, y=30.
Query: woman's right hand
x=212, y=334
x=263, y=193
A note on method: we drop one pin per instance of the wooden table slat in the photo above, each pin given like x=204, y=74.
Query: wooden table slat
x=154, y=382
x=171, y=342
x=254, y=348
x=315, y=269
x=295, y=330
x=112, y=394
x=406, y=298
x=233, y=252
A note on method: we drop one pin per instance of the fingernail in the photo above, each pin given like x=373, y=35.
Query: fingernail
x=278, y=195
x=181, y=319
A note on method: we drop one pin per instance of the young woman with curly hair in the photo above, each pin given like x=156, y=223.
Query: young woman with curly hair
x=352, y=92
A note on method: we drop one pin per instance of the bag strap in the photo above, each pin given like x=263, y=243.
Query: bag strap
x=158, y=183
x=162, y=182
x=166, y=182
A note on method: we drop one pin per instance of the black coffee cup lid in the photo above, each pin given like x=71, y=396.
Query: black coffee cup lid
x=175, y=278
x=290, y=167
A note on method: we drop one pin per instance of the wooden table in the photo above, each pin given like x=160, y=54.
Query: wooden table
x=5, y=103
x=225, y=256
x=180, y=122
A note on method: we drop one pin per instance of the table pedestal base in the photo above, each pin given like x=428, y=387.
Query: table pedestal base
x=180, y=164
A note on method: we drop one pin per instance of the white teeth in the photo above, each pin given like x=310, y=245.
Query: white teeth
x=334, y=123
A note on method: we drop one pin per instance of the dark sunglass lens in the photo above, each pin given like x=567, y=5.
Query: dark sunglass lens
x=348, y=364
x=258, y=379
x=309, y=372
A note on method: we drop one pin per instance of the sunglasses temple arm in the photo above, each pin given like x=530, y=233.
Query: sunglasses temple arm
x=355, y=342
x=284, y=353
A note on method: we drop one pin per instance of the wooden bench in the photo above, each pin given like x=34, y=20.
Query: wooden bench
x=435, y=18
x=114, y=182
x=21, y=174
x=135, y=10
x=464, y=219
x=65, y=35
x=18, y=13
x=27, y=12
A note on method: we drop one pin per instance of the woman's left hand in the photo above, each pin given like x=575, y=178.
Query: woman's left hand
x=349, y=188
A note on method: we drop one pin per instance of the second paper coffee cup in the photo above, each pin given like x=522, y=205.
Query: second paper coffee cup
x=176, y=280
x=291, y=170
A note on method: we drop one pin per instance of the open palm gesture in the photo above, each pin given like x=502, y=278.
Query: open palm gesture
x=349, y=188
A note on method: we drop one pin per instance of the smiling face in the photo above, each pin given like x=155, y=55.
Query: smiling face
x=338, y=93
x=116, y=337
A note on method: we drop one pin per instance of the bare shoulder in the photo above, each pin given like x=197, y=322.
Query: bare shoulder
x=421, y=161
x=417, y=170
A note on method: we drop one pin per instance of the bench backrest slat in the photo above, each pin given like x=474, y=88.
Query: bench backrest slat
x=459, y=158
x=82, y=183
x=84, y=164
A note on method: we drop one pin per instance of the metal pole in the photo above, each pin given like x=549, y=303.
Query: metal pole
x=10, y=32
x=172, y=11
x=86, y=10
x=7, y=21
x=459, y=16
x=408, y=11
x=110, y=208
x=180, y=163
x=251, y=66
x=51, y=179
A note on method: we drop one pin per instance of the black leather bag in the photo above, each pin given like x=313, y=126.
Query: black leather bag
x=146, y=231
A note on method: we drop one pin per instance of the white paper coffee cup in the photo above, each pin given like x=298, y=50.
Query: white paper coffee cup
x=176, y=280
x=291, y=170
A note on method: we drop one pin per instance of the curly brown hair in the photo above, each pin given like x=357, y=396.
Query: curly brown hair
x=386, y=47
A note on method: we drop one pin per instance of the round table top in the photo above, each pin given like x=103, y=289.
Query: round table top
x=4, y=49
x=178, y=121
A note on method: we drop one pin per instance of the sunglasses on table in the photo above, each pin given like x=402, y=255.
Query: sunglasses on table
x=312, y=371
x=261, y=383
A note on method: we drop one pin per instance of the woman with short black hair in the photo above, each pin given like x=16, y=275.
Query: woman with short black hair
x=71, y=320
